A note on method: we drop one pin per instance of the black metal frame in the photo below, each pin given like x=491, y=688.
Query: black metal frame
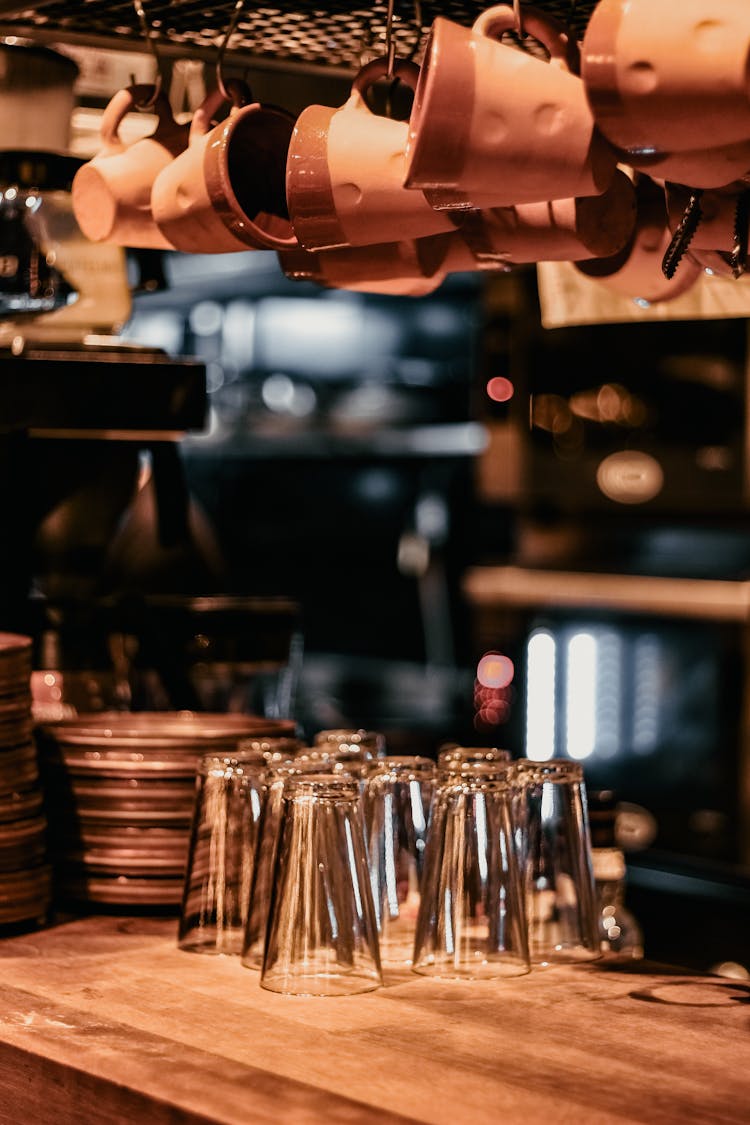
x=334, y=34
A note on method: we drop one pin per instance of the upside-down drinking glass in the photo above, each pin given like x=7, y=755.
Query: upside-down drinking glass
x=558, y=875
x=230, y=792
x=471, y=921
x=397, y=797
x=322, y=937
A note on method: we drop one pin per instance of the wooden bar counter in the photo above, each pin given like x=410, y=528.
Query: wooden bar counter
x=104, y=1020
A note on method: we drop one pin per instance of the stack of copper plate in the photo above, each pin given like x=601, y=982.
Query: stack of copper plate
x=24, y=872
x=120, y=790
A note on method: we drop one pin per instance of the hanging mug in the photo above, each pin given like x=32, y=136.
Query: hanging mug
x=671, y=78
x=411, y=268
x=704, y=168
x=225, y=192
x=724, y=222
x=492, y=126
x=636, y=272
x=112, y=192
x=345, y=173
x=561, y=230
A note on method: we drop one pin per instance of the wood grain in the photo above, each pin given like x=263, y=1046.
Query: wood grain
x=104, y=1020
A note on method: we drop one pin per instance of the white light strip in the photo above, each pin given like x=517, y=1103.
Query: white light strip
x=609, y=703
x=580, y=696
x=648, y=671
x=540, y=696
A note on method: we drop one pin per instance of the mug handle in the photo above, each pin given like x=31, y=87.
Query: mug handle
x=167, y=130
x=548, y=31
x=118, y=106
x=124, y=102
x=403, y=69
x=202, y=123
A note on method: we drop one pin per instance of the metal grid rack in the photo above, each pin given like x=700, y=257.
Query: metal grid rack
x=330, y=34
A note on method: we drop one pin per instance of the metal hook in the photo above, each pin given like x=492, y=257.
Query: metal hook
x=519, y=19
x=147, y=32
x=683, y=234
x=738, y=254
x=417, y=25
x=390, y=43
x=223, y=49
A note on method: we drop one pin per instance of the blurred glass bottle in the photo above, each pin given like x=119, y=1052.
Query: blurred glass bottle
x=620, y=932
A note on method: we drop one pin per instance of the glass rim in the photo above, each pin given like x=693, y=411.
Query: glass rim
x=550, y=769
x=327, y=756
x=360, y=736
x=458, y=754
x=393, y=763
x=308, y=766
x=236, y=764
x=270, y=745
x=502, y=772
x=326, y=783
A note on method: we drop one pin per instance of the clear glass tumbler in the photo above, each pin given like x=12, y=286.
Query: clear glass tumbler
x=230, y=793
x=558, y=876
x=279, y=768
x=322, y=936
x=397, y=798
x=471, y=921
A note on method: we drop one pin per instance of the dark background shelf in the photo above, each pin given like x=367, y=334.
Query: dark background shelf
x=75, y=390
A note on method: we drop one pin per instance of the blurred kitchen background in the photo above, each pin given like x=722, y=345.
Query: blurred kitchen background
x=436, y=518
x=423, y=477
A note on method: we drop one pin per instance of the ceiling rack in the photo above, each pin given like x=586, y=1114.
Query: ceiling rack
x=331, y=34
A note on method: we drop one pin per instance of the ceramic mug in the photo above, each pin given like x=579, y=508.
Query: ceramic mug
x=561, y=230
x=705, y=168
x=669, y=78
x=410, y=268
x=112, y=193
x=493, y=126
x=225, y=192
x=718, y=211
x=345, y=173
x=721, y=211
x=636, y=272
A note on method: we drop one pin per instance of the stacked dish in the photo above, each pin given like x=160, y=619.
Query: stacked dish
x=24, y=872
x=120, y=791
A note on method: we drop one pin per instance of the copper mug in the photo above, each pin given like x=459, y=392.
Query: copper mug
x=493, y=126
x=225, y=192
x=112, y=193
x=345, y=173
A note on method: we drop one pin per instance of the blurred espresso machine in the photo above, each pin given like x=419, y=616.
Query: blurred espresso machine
x=94, y=501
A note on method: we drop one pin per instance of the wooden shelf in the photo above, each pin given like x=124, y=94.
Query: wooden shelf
x=699, y=599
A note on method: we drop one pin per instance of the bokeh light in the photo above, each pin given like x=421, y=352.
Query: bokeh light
x=500, y=389
x=495, y=670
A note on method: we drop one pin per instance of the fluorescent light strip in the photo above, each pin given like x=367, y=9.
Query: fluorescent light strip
x=540, y=696
x=580, y=696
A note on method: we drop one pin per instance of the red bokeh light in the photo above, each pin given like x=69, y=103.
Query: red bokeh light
x=495, y=670
x=500, y=389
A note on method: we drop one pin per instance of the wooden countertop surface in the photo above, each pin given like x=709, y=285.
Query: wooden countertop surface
x=104, y=1020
